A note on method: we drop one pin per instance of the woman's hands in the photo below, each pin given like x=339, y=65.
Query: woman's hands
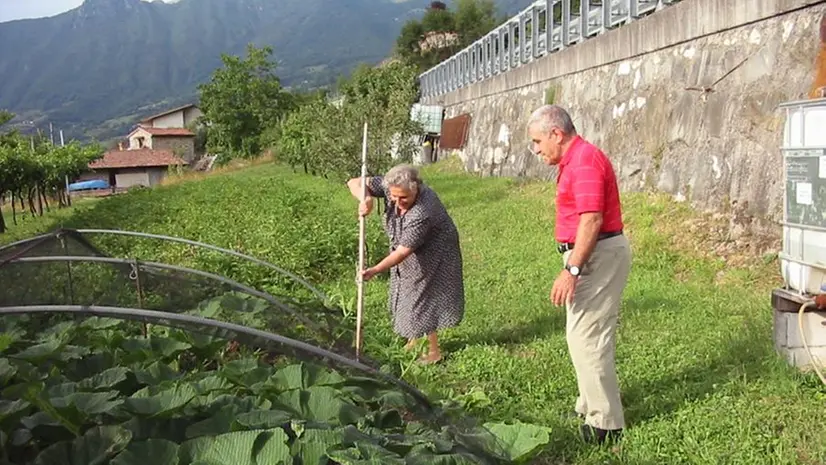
x=366, y=207
x=369, y=273
x=397, y=256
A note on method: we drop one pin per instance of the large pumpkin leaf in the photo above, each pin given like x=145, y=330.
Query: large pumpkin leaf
x=45, y=429
x=98, y=323
x=152, y=451
x=8, y=338
x=11, y=411
x=262, y=419
x=62, y=389
x=365, y=453
x=96, y=447
x=61, y=333
x=7, y=370
x=211, y=384
x=90, y=365
x=143, y=428
x=152, y=347
x=317, y=403
x=303, y=376
x=522, y=441
x=53, y=350
x=246, y=372
x=311, y=446
x=81, y=406
x=156, y=373
x=163, y=403
x=106, y=379
x=423, y=454
x=239, y=448
x=222, y=415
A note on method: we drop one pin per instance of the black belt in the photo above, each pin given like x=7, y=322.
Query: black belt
x=566, y=246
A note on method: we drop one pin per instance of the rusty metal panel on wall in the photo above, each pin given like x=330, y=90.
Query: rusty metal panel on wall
x=454, y=132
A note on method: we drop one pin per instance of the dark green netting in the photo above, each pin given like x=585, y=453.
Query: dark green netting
x=157, y=354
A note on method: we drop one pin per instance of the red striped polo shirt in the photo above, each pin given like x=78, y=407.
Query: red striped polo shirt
x=586, y=183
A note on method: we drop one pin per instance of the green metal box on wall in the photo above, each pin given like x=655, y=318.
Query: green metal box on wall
x=803, y=259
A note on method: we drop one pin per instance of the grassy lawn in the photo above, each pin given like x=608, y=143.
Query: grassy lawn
x=699, y=376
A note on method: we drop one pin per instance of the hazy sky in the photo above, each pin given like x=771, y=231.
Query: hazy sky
x=19, y=9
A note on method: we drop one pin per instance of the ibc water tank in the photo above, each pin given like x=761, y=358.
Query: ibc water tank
x=803, y=258
x=429, y=115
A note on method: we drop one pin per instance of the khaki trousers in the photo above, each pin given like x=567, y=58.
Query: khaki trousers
x=591, y=326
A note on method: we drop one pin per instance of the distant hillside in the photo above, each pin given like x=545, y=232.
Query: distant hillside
x=107, y=62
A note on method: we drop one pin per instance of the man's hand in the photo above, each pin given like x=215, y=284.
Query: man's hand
x=366, y=207
x=563, y=290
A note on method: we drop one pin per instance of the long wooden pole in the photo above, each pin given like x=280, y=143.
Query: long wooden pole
x=362, y=219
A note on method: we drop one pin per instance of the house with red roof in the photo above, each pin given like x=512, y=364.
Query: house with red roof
x=155, y=145
x=180, y=141
x=123, y=169
x=168, y=131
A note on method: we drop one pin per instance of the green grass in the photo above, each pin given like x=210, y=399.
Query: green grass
x=699, y=376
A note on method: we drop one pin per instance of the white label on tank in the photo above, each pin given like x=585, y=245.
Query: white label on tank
x=804, y=193
x=821, y=173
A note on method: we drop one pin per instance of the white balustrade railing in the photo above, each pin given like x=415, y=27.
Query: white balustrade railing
x=503, y=49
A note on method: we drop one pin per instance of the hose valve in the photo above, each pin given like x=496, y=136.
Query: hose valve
x=820, y=299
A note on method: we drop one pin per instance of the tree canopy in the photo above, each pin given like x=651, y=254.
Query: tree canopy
x=241, y=100
x=325, y=139
x=442, y=32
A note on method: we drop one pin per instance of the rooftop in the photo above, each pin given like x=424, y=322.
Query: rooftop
x=160, y=132
x=139, y=158
x=148, y=119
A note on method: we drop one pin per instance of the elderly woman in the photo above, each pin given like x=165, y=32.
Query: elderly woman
x=425, y=262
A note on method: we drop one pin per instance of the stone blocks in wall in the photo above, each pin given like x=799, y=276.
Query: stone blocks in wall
x=789, y=343
x=718, y=150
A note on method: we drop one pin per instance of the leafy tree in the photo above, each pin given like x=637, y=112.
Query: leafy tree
x=470, y=20
x=242, y=99
x=438, y=20
x=474, y=19
x=326, y=139
x=407, y=44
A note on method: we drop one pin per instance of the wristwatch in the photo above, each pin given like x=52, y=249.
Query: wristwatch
x=573, y=269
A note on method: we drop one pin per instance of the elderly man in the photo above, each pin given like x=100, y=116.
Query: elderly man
x=597, y=261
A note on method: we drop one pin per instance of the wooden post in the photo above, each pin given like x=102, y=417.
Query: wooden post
x=360, y=294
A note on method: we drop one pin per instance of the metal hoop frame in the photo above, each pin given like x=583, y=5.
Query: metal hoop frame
x=184, y=321
x=66, y=231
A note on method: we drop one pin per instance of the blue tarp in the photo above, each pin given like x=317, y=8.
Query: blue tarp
x=86, y=185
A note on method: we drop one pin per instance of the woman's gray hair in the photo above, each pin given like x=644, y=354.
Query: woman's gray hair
x=403, y=176
x=552, y=116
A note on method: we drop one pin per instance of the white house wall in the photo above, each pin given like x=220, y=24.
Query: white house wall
x=191, y=115
x=156, y=175
x=172, y=120
x=179, y=119
x=128, y=178
x=133, y=139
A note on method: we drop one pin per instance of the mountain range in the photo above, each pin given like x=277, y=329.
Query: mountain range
x=94, y=70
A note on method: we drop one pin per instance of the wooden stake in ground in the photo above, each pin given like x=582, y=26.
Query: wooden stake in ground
x=818, y=89
x=362, y=219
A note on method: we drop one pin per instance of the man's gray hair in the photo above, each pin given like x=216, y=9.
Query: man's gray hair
x=548, y=117
x=403, y=176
